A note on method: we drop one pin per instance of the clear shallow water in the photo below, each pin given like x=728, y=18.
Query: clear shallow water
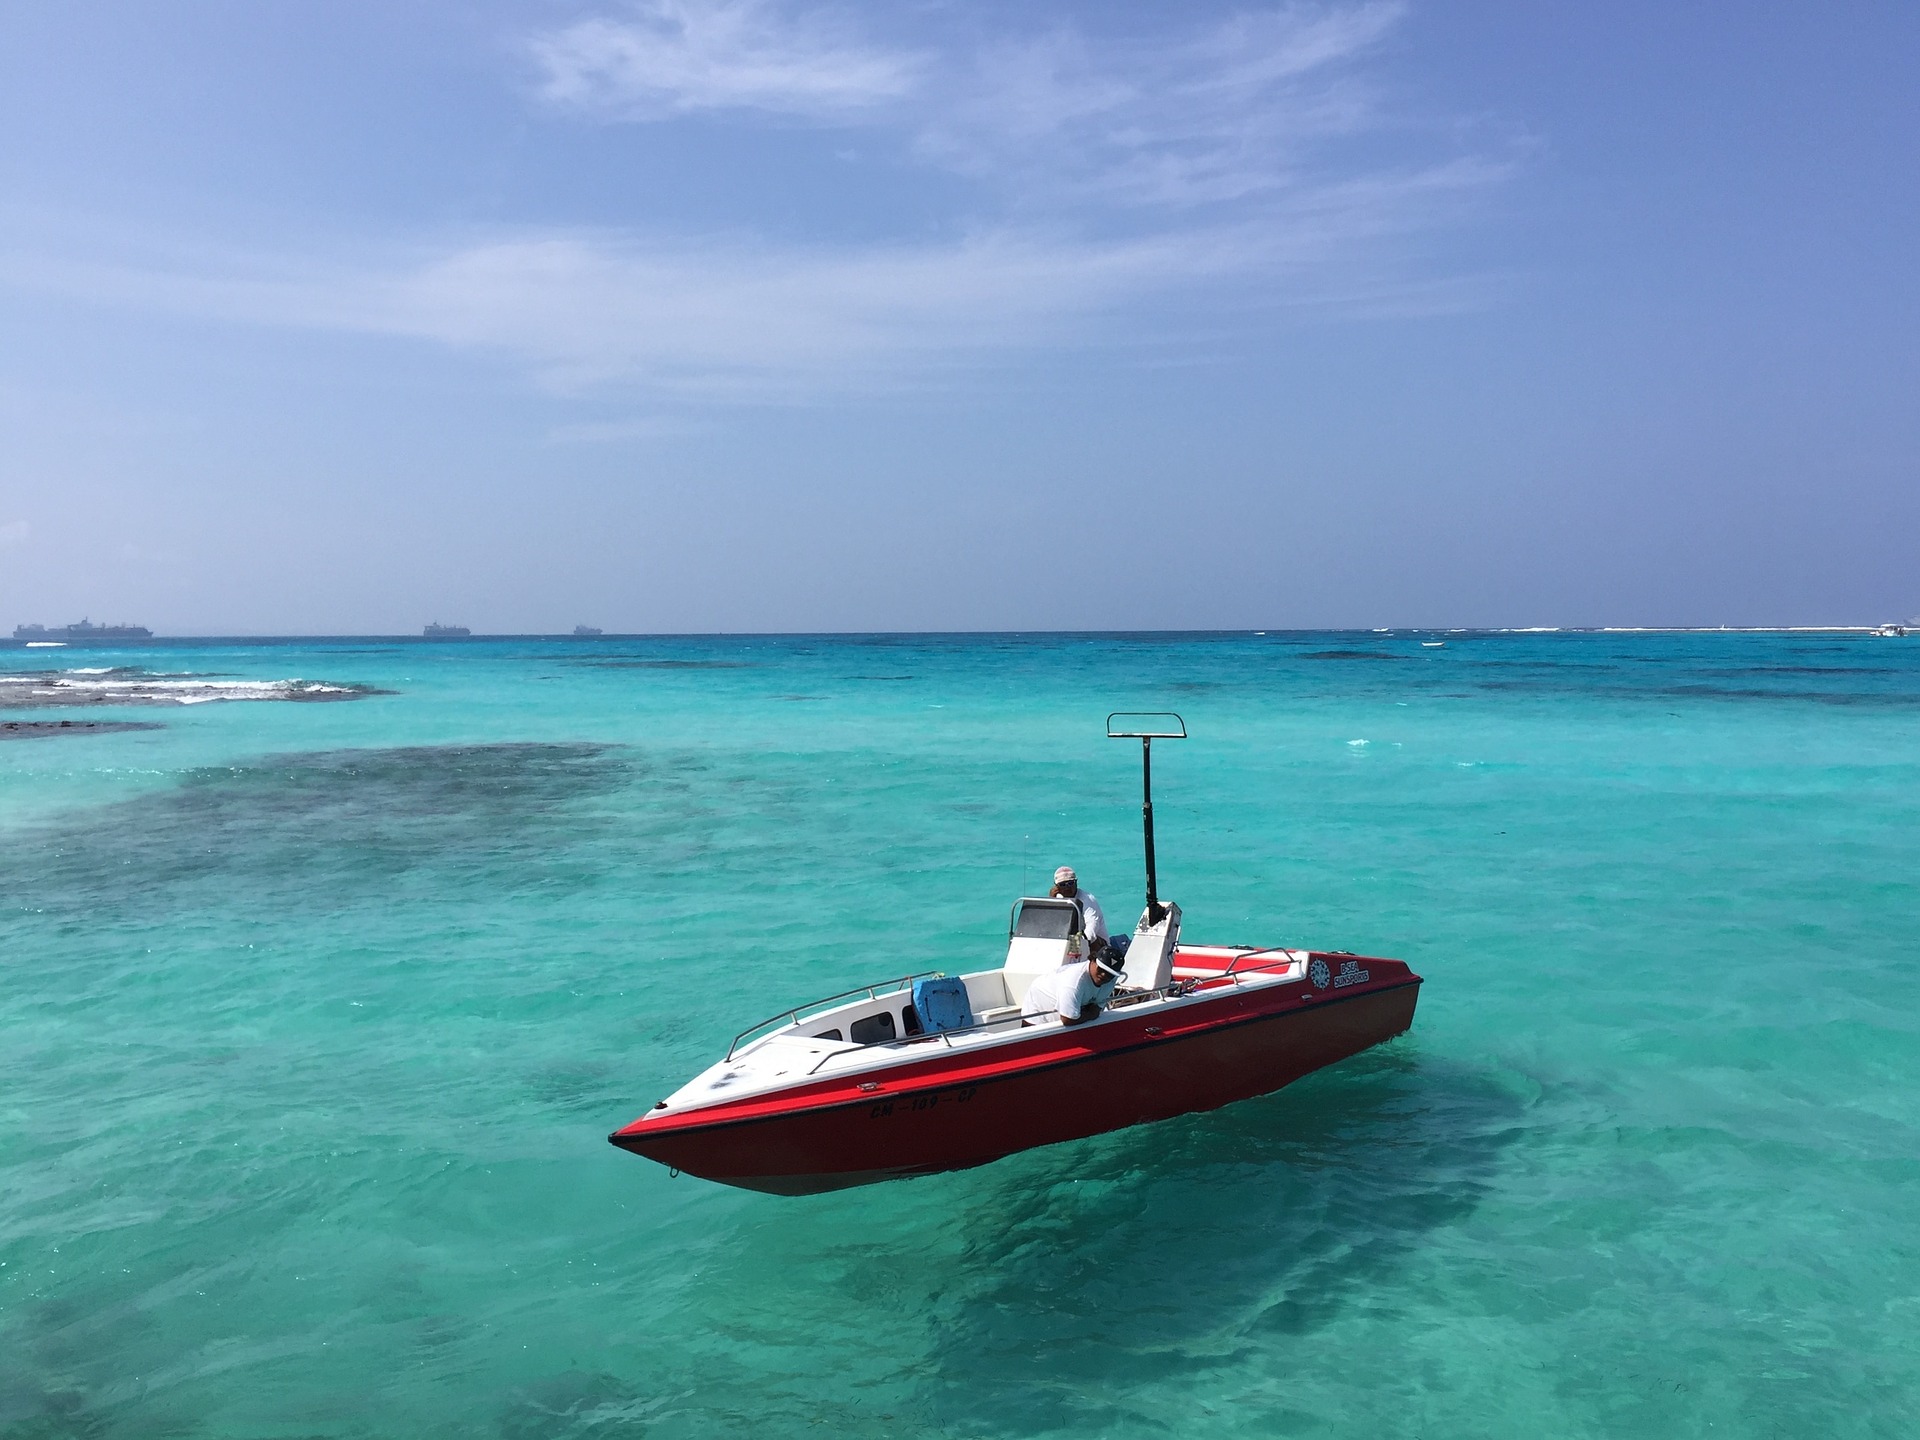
x=316, y=1018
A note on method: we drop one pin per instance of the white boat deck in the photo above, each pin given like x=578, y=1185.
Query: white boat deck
x=876, y=1028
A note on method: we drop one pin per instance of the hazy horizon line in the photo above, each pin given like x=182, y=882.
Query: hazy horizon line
x=1824, y=629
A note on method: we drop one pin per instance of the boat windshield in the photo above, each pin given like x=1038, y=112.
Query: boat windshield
x=1045, y=920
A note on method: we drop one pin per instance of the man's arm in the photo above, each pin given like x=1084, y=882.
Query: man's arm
x=1093, y=917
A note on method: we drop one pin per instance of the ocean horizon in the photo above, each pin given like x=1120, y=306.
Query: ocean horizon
x=319, y=1014
x=321, y=637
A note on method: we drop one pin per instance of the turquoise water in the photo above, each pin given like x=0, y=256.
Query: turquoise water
x=316, y=1017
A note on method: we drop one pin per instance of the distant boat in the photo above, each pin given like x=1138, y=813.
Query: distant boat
x=437, y=631
x=1891, y=631
x=1432, y=644
x=84, y=630
x=586, y=630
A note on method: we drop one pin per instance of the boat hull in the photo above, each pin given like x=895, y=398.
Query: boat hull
x=1126, y=1071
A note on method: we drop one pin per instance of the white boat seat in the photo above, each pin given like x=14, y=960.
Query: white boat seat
x=1037, y=942
x=1150, y=956
x=987, y=992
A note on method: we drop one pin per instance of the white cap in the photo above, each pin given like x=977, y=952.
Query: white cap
x=1065, y=876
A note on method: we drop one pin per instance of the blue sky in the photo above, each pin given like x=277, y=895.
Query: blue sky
x=745, y=315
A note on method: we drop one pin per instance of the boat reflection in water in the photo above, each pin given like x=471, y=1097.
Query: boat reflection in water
x=929, y=1072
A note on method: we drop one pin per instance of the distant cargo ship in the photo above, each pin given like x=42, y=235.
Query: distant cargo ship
x=85, y=630
x=437, y=631
x=586, y=629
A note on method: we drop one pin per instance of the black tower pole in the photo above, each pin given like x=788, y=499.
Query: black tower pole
x=1154, y=912
x=1160, y=726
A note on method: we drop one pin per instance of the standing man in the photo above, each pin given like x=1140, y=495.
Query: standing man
x=1093, y=923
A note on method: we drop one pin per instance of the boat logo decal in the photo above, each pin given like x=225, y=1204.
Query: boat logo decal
x=1350, y=974
x=1319, y=973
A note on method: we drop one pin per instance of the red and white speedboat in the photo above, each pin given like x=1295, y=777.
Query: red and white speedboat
x=930, y=1073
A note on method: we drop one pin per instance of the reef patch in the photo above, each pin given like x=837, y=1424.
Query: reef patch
x=44, y=729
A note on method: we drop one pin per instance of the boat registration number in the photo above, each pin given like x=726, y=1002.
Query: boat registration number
x=907, y=1104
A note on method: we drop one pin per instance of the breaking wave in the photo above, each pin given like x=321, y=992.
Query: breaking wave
x=40, y=689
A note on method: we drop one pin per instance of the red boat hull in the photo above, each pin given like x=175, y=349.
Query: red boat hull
x=954, y=1113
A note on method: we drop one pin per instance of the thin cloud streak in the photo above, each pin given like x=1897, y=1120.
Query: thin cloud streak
x=609, y=432
x=677, y=57
x=742, y=321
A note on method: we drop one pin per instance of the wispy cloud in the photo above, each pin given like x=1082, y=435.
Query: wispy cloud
x=1228, y=114
x=673, y=57
x=713, y=318
x=1179, y=181
x=14, y=532
x=754, y=320
x=1216, y=114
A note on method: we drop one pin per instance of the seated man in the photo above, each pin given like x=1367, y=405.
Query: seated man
x=1075, y=992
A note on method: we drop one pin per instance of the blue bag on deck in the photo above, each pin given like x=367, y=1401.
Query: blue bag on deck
x=941, y=1003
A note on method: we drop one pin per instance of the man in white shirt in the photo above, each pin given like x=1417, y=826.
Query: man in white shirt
x=1081, y=988
x=1076, y=992
x=1093, y=922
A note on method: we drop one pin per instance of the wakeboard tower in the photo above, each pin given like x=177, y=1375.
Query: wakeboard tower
x=937, y=1072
